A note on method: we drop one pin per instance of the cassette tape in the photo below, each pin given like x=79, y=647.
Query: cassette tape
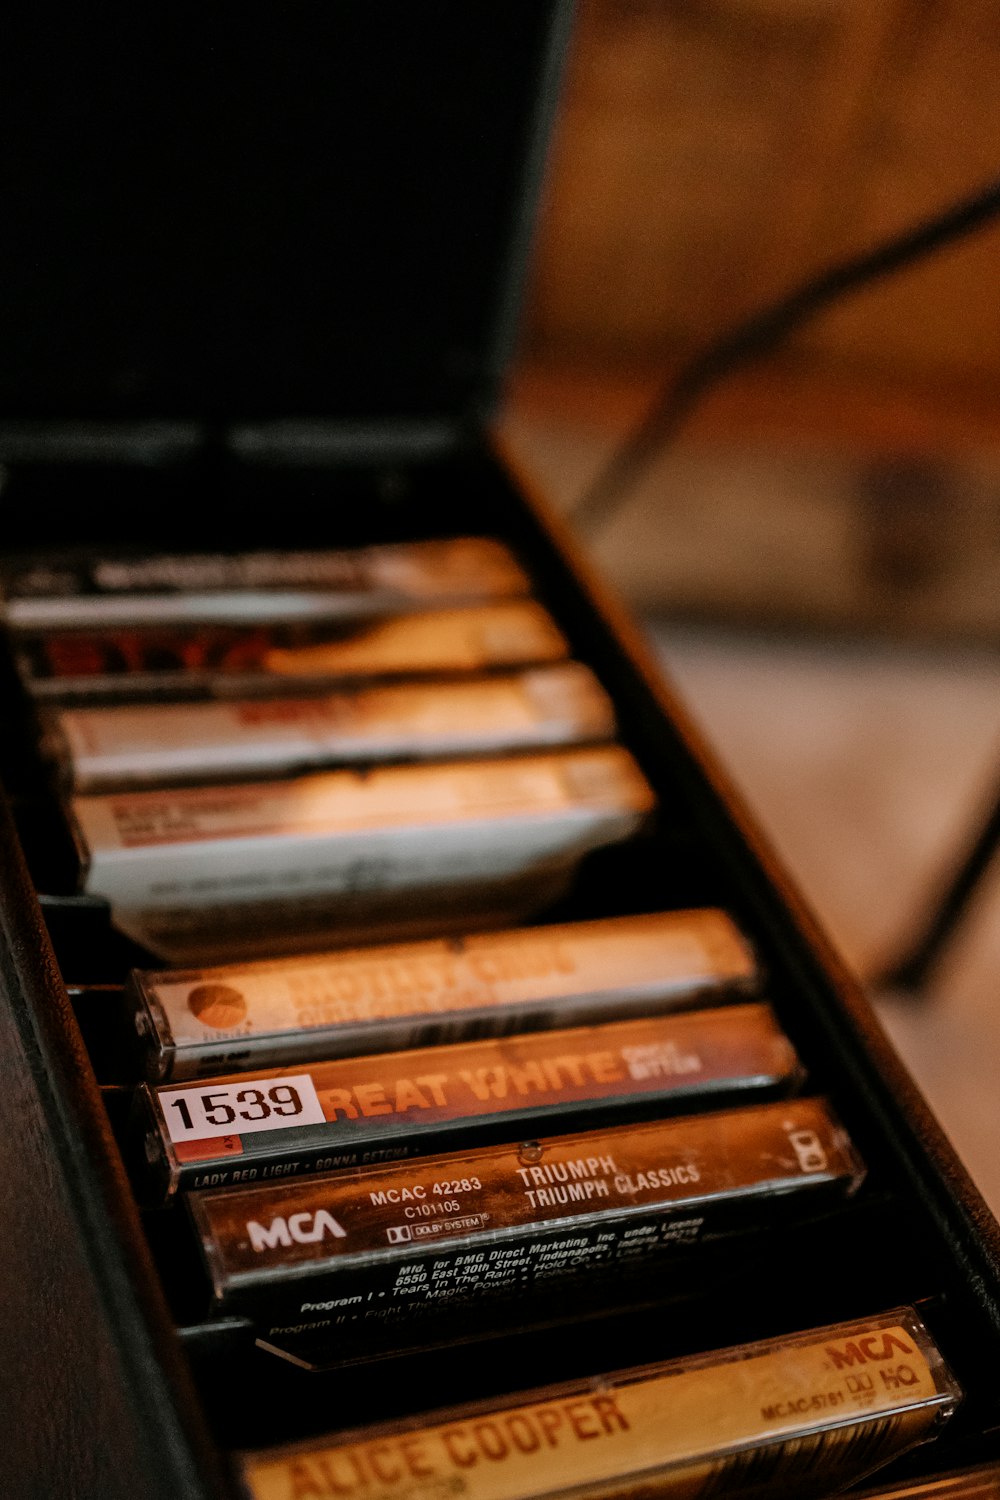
x=400, y=995
x=227, y=661
x=258, y=867
x=255, y=588
x=165, y=744
x=808, y=1413
x=259, y=1127
x=326, y=1264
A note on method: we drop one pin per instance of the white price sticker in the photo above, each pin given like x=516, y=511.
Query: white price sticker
x=217, y=1109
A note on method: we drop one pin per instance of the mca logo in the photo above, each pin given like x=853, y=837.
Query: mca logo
x=301, y=1229
x=872, y=1346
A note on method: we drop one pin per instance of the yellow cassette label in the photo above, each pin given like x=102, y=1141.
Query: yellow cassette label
x=673, y=1433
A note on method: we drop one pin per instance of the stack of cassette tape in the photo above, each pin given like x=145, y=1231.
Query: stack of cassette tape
x=265, y=748
x=376, y=1093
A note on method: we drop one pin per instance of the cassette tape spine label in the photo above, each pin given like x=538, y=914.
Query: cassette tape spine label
x=152, y=745
x=185, y=872
x=422, y=994
x=485, y=1224
x=785, y=1410
x=349, y=1112
x=257, y=585
x=230, y=661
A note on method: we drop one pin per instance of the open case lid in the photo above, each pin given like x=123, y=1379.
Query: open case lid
x=238, y=213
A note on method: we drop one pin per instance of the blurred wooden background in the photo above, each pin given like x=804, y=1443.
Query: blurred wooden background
x=711, y=152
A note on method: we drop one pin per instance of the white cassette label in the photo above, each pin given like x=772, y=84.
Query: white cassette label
x=216, y=1109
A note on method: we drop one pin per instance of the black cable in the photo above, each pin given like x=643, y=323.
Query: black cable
x=759, y=333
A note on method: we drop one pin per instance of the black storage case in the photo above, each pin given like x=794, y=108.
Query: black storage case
x=257, y=283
